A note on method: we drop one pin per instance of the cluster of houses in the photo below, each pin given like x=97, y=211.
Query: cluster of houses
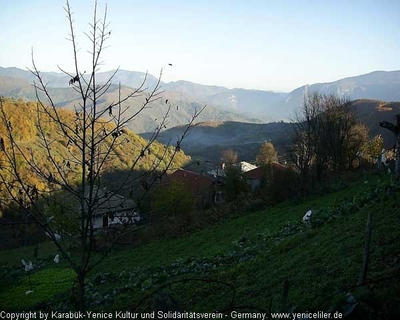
x=114, y=209
x=206, y=188
x=211, y=184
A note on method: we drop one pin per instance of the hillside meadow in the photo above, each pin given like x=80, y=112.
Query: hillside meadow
x=265, y=260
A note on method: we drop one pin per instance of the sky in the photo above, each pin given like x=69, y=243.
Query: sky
x=268, y=45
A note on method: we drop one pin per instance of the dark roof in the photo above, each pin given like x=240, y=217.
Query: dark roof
x=260, y=172
x=195, y=181
x=109, y=202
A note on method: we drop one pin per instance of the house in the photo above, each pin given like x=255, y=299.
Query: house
x=203, y=187
x=255, y=177
x=113, y=210
x=217, y=173
x=245, y=166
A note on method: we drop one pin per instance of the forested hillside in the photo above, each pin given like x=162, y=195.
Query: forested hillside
x=24, y=120
x=210, y=138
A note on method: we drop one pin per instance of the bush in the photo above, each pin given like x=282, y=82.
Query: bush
x=235, y=184
x=280, y=185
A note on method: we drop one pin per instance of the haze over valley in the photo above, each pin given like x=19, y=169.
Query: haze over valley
x=240, y=105
x=253, y=171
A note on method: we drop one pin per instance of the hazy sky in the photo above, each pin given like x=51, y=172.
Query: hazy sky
x=278, y=45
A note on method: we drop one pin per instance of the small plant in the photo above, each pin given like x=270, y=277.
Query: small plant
x=28, y=269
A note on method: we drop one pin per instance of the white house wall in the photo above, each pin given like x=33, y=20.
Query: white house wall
x=119, y=218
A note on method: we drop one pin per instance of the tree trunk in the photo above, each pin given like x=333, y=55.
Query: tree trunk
x=364, y=269
x=80, y=294
x=397, y=168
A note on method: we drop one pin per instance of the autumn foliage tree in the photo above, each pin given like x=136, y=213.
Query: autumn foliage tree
x=229, y=157
x=267, y=154
x=372, y=148
x=358, y=138
x=92, y=136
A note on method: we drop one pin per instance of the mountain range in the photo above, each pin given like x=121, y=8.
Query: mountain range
x=208, y=139
x=223, y=104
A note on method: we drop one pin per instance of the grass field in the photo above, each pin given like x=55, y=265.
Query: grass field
x=257, y=256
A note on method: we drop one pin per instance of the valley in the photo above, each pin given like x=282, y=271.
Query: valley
x=200, y=159
x=253, y=233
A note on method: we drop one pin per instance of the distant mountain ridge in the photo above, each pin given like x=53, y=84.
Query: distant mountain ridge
x=182, y=106
x=377, y=85
x=211, y=138
x=235, y=104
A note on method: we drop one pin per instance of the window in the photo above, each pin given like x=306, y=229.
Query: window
x=105, y=221
x=218, y=197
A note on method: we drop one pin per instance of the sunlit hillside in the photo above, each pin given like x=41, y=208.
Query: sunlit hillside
x=28, y=124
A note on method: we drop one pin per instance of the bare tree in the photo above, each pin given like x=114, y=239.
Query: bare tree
x=306, y=137
x=323, y=135
x=337, y=123
x=70, y=187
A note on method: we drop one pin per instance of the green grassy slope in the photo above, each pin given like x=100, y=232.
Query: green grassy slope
x=254, y=253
